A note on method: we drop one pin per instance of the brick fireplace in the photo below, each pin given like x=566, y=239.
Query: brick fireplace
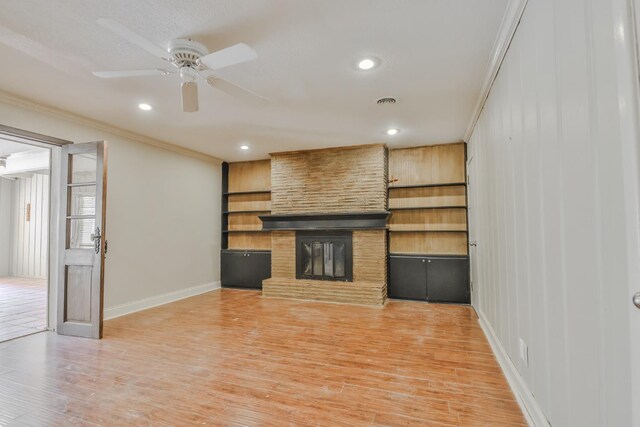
x=339, y=193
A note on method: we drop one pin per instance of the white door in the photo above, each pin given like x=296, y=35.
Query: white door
x=83, y=193
x=473, y=243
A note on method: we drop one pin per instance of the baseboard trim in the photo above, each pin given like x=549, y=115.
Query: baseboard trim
x=530, y=408
x=146, y=303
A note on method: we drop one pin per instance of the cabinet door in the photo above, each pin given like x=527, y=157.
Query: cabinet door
x=241, y=269
x=407, y=277
x=448, y=280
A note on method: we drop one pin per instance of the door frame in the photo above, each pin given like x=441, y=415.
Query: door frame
x=54, y=145
x=472, y=227
x=630, y=92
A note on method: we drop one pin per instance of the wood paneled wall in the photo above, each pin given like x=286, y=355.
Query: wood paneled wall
x=30, y=233
x=250, y=176
x=250, y=240
x=427, y=197
x=6, y=204
x=434, y=164
x=249, y=202
x=345, y=179
x=555, y=152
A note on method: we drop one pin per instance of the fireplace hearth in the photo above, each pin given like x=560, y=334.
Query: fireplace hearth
x=324, y=255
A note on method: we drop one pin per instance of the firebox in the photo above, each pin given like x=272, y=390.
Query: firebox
x=324, y=255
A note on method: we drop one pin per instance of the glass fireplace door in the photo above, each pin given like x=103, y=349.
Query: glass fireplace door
x=323, y=256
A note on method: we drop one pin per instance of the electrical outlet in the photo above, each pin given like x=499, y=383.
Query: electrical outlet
x=524, y=353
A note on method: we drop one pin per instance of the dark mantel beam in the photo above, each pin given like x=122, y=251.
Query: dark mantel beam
x=326, y=221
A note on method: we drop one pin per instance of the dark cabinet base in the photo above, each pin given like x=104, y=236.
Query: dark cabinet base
x=429, y=278
x=244, y=269
x=407, y=278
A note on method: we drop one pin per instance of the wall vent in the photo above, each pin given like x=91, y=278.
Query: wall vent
x=387, y=100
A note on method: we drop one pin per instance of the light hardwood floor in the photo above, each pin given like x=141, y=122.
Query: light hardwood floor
x=23, y=306
x=232, y=358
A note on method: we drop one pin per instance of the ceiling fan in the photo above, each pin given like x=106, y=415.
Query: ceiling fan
x=192, y=60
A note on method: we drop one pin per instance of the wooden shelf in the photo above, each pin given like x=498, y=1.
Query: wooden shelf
x=418, y=230
x=248, y=202
x=415, y=254
x=426, y=207
x=429, y=220
x=249, y=177
x=434, y=165
x=247, y=192
x=246, y=231
x=249, y=240
x=428, y=197
x=247, y=211
x=446, y=184
x=428, y=242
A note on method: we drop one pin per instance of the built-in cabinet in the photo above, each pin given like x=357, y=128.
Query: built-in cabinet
x=246, y=247
x=245, y=268
x=428, y=243
x=428, y=278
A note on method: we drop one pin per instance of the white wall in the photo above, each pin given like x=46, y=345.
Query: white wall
x=30, y=239
x=6, y=195
x=552, y=233
x=163, y=210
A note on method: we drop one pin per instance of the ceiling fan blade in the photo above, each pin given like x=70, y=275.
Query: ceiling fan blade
x=133, y=37
x=189, y=97
x=232, y=55
x=238, y=92
x=131, y=73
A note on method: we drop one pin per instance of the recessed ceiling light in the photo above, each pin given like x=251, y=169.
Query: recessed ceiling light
x=368, y=63
x=392, y=131
x=144, y=107
x=244, y=147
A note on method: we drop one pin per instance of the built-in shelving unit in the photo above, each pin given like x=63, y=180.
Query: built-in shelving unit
x=246, y=194
x=428, y=225
x=246, y=247
x=428, y=200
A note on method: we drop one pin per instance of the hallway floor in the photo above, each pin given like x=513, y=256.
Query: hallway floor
x=23, y=306
x=233, y=358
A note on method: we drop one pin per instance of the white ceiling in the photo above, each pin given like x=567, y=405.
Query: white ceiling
x=8, y=148
x=434, y=53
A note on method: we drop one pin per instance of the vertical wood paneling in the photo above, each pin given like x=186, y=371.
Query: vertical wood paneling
x=551, y=227
x=29, y=239
x=6, y=197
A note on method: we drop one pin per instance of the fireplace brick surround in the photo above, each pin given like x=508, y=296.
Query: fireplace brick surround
x=337, y=180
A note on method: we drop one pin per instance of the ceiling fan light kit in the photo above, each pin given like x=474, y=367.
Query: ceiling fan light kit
x=192, y=60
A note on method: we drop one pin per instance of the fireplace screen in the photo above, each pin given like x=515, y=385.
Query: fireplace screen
x=323, y=255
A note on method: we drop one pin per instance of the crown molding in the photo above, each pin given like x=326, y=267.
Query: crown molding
x=28, y=104
x=508, y=26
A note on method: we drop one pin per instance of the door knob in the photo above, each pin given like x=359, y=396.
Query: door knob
x=95, y=238
x=473, y=244
x=636, y=299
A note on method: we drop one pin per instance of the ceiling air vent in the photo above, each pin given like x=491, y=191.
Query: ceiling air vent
x=383, y=101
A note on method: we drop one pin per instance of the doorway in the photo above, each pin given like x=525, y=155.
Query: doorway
x=76, y=230
x=25, y=185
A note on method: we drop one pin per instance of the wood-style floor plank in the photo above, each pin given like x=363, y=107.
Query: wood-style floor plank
x=232, y=358
x=23, y=306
